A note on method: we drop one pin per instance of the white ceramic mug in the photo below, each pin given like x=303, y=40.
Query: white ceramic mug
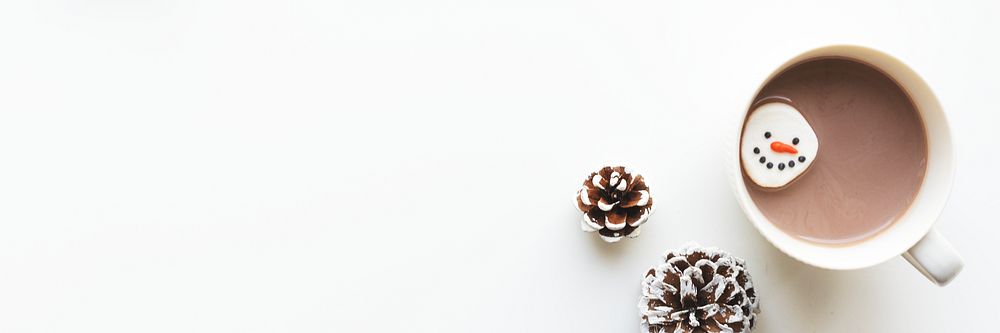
x=912, y=234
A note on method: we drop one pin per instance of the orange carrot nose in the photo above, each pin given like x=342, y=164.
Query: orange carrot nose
x=781, y=147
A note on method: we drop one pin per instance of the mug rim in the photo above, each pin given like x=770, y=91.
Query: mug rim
x=919, y=217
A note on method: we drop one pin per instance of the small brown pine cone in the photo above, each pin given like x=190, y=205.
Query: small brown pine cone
x=615, y=202
x=696, y=289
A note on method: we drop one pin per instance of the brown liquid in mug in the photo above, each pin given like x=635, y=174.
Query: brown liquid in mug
x=872, y=152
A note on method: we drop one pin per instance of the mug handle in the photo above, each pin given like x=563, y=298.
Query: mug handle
x=935, y=258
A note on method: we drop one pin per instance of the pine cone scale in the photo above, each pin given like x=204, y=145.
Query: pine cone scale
x=580, y=204
x=597, y=217
x=634, y=198
x=617, y=217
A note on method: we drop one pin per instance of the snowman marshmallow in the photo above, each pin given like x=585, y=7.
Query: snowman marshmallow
x=777, y=145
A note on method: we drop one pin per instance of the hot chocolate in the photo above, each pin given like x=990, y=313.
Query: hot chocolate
x=871, y=160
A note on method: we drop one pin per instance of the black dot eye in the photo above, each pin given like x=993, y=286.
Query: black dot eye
x=770, y=165
x=756, y=150
x=762, y=159
x=802, y=159
x=767, y=135
x=795, y=141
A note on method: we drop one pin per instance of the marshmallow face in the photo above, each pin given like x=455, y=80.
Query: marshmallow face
x=777, y=145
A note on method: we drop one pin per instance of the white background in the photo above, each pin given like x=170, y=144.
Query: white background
x=317, y=166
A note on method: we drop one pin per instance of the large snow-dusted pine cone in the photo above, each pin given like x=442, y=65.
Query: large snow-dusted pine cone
x=696, y=289
x=614, y=202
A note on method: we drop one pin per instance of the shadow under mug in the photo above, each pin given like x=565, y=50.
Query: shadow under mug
x=912, y=235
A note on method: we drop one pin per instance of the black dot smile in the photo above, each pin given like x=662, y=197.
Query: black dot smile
x=781, y=166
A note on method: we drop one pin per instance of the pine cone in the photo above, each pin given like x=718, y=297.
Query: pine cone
x=614, y=202
x=698, y=290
